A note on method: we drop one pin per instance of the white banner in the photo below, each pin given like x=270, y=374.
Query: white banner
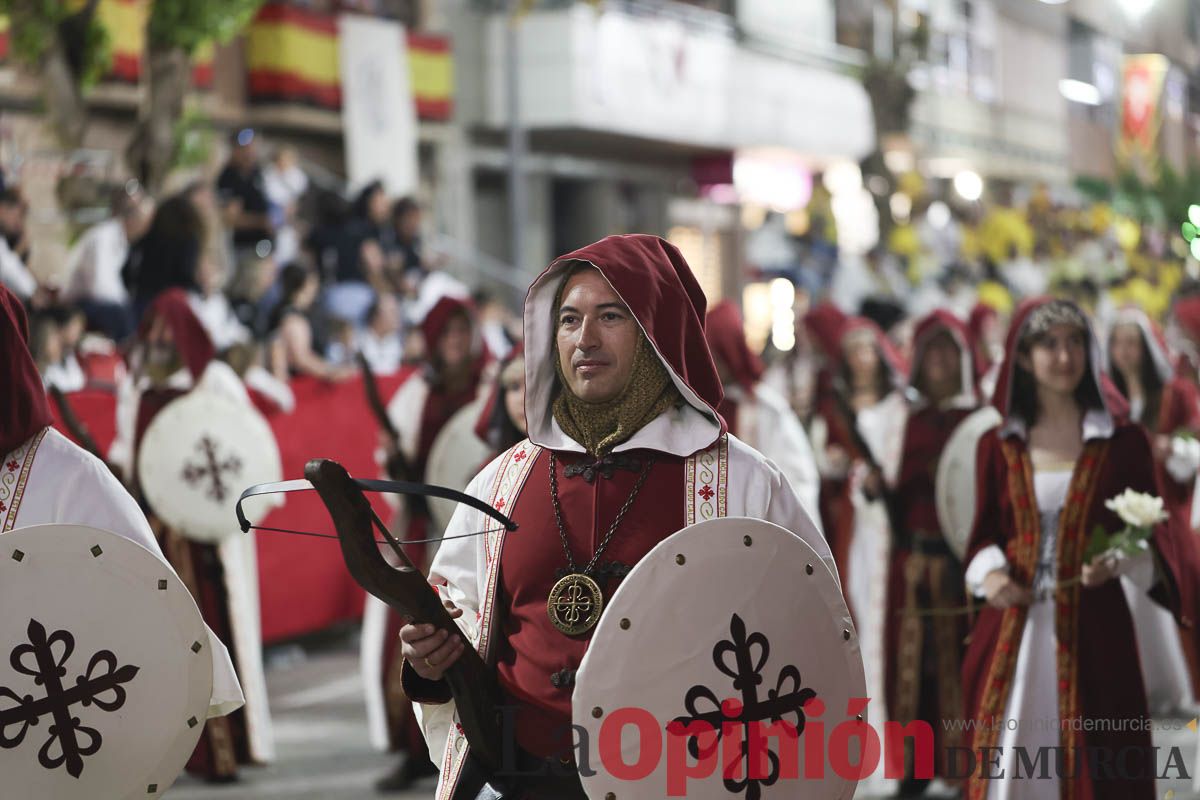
x=379, y=121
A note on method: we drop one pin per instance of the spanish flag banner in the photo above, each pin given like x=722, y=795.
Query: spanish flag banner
x=125, y=23
x=292, y=57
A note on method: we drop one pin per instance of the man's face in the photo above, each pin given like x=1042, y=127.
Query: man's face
x=246, y=156
x=597, y=338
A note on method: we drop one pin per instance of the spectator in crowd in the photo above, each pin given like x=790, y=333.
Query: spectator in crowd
x=211, y=306
x=496, y=323
x=406, y=219
x=45, y=343
x=380, y=344
x=362, y=246
x=241, y=194
x=254, y=291
x=95, y=262
x=285, y=183
x=14, y=245
x=65, y=372
x=342, y=342
x=291, y=324
x=169, y=254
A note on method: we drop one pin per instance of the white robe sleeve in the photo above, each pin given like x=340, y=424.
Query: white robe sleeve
x=1184, y=460
x=780, y=433
x=985, y=562
x=758, y=489
x=15, y=275
x=458, y=573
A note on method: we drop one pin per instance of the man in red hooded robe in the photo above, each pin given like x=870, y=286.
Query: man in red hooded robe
x=173, y=355
x=755, y=412
x=48, y=479
x=625, y=447
x=924, y=649
x=452, y=379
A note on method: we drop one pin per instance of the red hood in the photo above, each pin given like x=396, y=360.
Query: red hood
x=1152, y=335
x=439, y=316
x=892, y=360
x=825, y=325
x=928, y=327
x=1187, y=314
x=727, y=340
x=651, y=277
x=1114, y=403
x=25, y=410
x=191, y=340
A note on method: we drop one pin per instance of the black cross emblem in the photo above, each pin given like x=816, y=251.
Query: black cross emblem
x=212, y=468
x=62, y=745
x=750, y=654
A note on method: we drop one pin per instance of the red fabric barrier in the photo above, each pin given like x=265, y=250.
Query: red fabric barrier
x=303, y=583
x=96, y=410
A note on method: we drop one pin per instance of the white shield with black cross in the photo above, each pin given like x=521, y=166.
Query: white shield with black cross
x=197, y=455
x=105, y=669
x=719, y=669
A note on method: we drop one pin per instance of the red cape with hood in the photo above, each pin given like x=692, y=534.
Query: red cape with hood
x=222, y=744
x=727, y=341
x=25, y=410
x=1096, y=680
x=924, y=656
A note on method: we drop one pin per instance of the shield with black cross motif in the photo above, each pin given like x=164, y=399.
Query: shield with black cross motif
x=105, y=669
x=719, y=669
x=197, y=455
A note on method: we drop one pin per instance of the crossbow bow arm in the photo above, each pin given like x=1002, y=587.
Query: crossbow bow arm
x=406, y=590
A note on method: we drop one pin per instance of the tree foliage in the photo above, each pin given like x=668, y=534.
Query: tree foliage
x=37, y=25
x=187, y=24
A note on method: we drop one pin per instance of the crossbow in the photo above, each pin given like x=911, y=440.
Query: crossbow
x=403, y=588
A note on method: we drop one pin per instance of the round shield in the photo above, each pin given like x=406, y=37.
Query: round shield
x=456, y=457
x=197, y=455
x=678, y=676
x=105, y=670
x=955, y=480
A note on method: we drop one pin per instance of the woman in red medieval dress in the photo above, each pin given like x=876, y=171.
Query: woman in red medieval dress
x=1166, y=406
x=863, y=379
x=454, y=376
x=1048, y=670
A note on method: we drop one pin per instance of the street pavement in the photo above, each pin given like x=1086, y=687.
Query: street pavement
x=324, y=753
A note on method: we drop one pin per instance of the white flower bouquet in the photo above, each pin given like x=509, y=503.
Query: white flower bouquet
x=1140, y=512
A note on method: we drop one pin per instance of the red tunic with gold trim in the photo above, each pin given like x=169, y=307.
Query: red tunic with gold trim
x=535, y=661
x=225, y=742
x=924, y=654
x=1097, y=674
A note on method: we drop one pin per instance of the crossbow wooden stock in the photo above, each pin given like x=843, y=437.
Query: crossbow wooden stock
x=405, y=589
